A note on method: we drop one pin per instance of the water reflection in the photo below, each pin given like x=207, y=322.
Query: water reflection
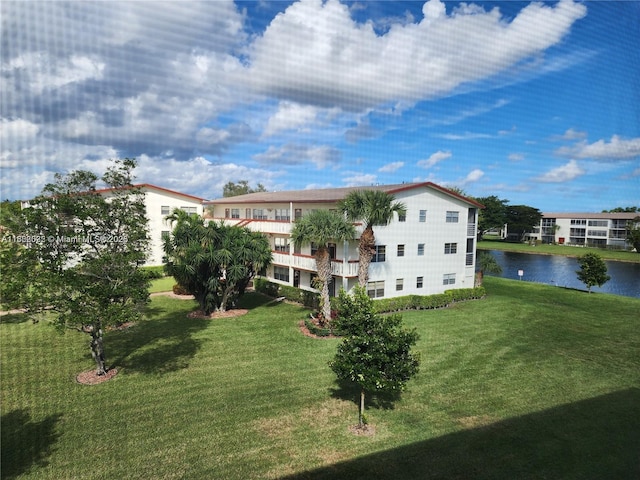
x=561, y=271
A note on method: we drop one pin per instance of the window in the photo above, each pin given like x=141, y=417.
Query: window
x=227, y=213
x=399, y=284
x=419, y=282
x=297, y=213
x=190, y=210
x=381, y=254
x=281, y=245
x=423, y=216
x=449, y=279
x=259, y=214
x=281, y=273
x=375, y=289
x=402, y=218
x=450, y=248
x=598, y=223
x=282, y=214
x=421, y=249
x=578, y=221
x=596, y=233
x=401, y=250
x=164, y=210
x=452, y=217
x=235, y=213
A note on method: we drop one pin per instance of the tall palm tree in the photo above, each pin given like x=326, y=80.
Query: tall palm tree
x=321, y=227
x=373, y=208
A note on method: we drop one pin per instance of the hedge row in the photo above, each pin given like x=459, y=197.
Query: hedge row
x=305, y=297
x=427, y=302
x=154, y=272
x=384, y=305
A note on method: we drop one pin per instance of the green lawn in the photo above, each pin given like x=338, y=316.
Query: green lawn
x=532, y=382
x=566, y=250
x=164, y=284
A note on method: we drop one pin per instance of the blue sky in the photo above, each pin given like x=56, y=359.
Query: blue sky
x=536, y=103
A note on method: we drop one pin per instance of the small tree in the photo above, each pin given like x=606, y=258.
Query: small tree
x=214, y=262
x=486, y=263
x=84, y=253
x=241, y=188
x=376, y=351
x=593, y=270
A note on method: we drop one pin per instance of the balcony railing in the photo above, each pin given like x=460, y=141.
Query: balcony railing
x=471, y=230
x=307, y=262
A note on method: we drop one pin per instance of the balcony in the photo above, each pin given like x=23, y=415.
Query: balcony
x=307, y=262
x=471, y=230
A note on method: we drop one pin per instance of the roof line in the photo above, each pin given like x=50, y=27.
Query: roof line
x=154, y=187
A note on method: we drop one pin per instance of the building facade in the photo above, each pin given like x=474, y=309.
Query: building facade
x=588, y=229
x=428, y=251
x=159, y=203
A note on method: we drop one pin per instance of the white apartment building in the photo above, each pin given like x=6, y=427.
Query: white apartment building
x=428, y=251
x=159, y=203
x=589, y=229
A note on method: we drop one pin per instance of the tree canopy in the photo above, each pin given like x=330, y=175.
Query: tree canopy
x=494, y=215
x=373, y=208
x=232, y=189
x=521, y=219
x=593, y=270
x=633, y=233
x=214, y=262
x=83, y=253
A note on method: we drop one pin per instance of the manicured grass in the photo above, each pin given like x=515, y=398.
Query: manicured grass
x=566, y=250
x=531, y=382
x=164, y=284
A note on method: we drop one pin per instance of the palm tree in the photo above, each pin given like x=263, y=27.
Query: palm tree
x=486, y=263
x=320, y=227
x=372, y=207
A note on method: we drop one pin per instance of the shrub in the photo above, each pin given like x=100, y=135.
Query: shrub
x=153, y=273
x=266, y=287
x=180, y=290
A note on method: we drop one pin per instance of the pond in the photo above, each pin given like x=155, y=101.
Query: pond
x=561, y=271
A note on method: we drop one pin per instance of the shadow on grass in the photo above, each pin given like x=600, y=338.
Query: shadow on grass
x=24, y=443
x=597, y=438
x=162, y=344
x=14, y=318
x=350, y=391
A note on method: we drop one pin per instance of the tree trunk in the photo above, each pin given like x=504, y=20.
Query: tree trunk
x=323, y=263
x=361, y=410
x=479, y=278
x=97, y=349
x=366, y=249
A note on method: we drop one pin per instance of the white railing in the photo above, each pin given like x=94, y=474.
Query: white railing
x=471, y=230
x=305, y=262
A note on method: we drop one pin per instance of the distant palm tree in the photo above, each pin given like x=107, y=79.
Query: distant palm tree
x=486, y=263
x=372, y=207
x=321, y=227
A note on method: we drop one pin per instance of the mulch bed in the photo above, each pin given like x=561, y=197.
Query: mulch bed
x=307, y=333
x=364, y=430
x=236, y=312
x=90, y=377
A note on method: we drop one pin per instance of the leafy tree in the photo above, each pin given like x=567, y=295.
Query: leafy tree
x=241, y=188
x=486, y=263
x=84, y=253
x=593, y=270
x=623, y=210
x=321, y=227
x=375, y=353
x=633, y=233
x=214, y=262
x=373, y=208
x=494, y=215
x=521, y=219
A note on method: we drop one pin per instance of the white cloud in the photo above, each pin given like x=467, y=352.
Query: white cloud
x=290, y=116
x=360, y=179
x=616, y=149
x=516, y=157
x=561, y=174
x=391, y=167
x=473, y=176
x=434, y=159
x=322, y=156
x=315, y=53
x=572, y=134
